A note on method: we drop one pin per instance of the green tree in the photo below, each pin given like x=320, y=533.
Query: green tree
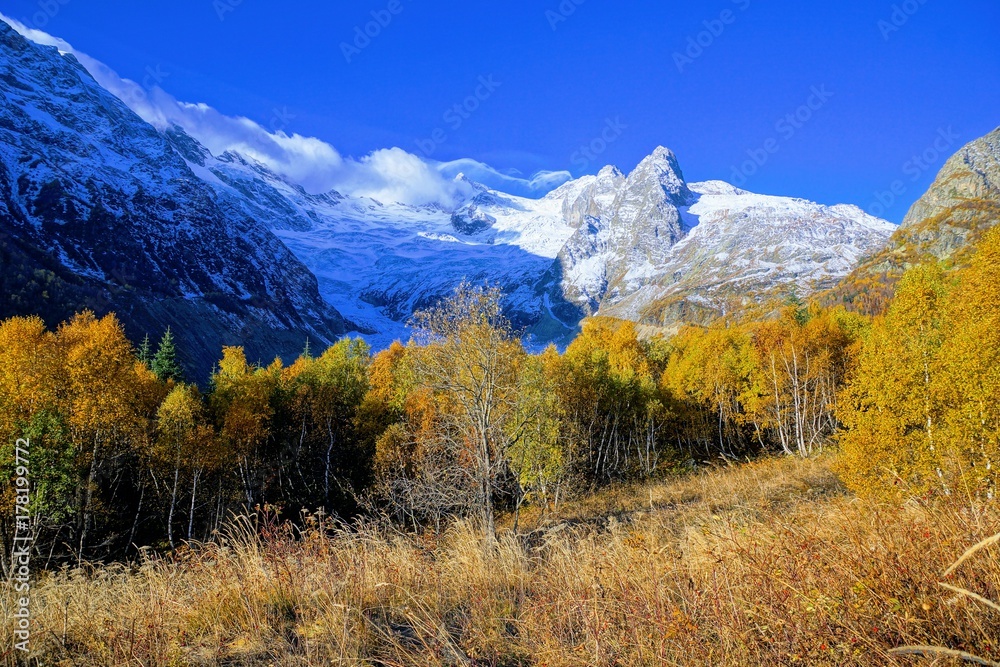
x=165, y=364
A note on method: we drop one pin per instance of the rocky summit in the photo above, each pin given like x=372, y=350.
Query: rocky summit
x=944, y=225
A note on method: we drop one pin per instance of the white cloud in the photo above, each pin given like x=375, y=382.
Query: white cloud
x=536, y=186
x=389, y=174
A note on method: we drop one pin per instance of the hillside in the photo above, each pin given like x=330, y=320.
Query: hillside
x=98, y=210
x=944, y=225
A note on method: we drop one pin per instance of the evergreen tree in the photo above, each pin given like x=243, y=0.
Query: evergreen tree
x=165, y=365
x=799, y=310
x=146, y=352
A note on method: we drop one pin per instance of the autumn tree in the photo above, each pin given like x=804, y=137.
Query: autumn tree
x=322, y=399
x=613, y=403
x=799, y=362
x=184, y=445
x=103, y=417
x=709, y=376
x=538, y=454
x=470, y=361
x=890, y=407
x=242, y=406
x=969, y=391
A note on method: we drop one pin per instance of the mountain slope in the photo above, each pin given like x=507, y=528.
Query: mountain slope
x=944, y=225
x=654, y=249
x=97, y=209
x=102, y=210
x=379, y=262
x=646, y=246
x=745, y=248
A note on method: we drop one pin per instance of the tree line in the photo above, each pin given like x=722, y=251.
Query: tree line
x=463, y=421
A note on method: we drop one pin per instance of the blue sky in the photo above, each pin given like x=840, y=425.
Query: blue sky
x=536, y=82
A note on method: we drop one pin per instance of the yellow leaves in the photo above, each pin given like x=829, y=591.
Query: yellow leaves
x=889, y=407
x=86, y=371
x=241, y=400
x=384, y=374
x=921, y=408
x=180, y=413
x=30, y=366
x=184, y=437
x=611, y=344
x=232, y=368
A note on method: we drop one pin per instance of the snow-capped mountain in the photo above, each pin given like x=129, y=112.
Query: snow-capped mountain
x=97, y=209
x=647, y=246
x=652, y=248
x=379, y=262
x=744, y=247
x=226, y=250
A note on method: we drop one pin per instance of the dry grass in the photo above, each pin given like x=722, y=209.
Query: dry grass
x=765, y=564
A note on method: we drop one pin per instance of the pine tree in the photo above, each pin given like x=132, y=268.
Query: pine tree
x=165, y=365
x=146, y=352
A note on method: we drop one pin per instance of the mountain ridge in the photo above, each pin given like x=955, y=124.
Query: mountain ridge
x=96, y=202
x=944, y=225
x=250, y=252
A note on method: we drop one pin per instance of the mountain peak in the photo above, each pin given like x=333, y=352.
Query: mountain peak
x=611, y=172
x=966, y=187
x=663, y=167
x=663, y=153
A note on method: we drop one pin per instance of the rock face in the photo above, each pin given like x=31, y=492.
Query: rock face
x=99, y=210
x=744, y=248
x=964, y=196
x=651, y=248
x=625, y=225
x=945, y=225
